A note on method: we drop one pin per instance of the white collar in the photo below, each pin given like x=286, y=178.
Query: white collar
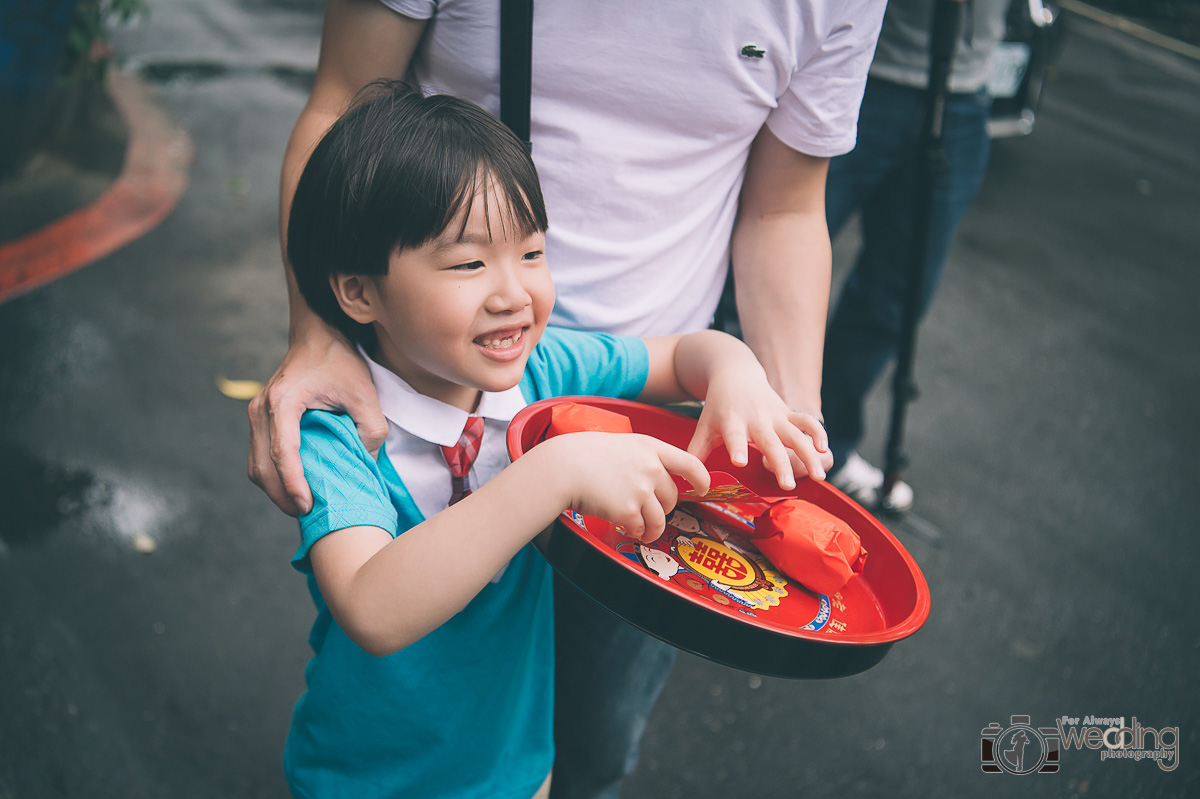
x=431, y=419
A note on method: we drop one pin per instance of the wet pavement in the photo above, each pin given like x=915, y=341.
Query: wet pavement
x=152, y=633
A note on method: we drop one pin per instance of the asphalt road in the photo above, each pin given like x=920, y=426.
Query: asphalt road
x=1053, y=452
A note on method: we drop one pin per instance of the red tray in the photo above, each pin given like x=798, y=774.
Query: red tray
x=705, y=588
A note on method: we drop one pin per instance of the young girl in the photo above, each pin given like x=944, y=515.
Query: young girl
x=417, y=230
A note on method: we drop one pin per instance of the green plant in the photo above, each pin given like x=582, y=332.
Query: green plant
x=89, y=51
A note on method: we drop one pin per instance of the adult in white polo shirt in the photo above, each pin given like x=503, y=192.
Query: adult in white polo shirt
x=670, y=137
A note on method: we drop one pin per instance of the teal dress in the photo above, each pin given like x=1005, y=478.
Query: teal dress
x=467, y=711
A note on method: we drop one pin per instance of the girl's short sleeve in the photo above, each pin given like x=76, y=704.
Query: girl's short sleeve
x=567, y=362
x=347, y=487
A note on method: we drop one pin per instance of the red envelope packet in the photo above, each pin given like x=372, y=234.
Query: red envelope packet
x=810, y=545
x=573, y=418
x=723, y=487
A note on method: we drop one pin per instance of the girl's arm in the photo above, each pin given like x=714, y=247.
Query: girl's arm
x=387, y=593
x=740, y=407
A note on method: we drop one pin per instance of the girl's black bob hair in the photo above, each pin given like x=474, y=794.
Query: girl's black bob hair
x=393, y=173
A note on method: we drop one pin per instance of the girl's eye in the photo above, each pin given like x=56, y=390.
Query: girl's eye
x=473, y=265
x=533, y=255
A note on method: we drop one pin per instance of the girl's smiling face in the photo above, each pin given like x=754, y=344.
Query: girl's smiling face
x=462, y=312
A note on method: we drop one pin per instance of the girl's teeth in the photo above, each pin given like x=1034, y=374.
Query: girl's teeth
x=499, y=344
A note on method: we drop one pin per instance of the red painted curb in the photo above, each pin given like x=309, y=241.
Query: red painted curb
x=154, y=176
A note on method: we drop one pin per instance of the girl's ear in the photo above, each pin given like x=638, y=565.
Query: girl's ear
x=357, y=297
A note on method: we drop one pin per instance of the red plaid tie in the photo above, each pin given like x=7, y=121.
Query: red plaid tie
x=460, y=457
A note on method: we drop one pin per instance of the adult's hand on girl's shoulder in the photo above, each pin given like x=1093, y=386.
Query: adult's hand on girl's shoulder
x=321, y=371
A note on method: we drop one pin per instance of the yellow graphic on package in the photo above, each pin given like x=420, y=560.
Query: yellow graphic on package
x=717, y=562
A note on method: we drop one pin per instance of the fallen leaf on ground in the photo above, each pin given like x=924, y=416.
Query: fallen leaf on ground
x=238, y=389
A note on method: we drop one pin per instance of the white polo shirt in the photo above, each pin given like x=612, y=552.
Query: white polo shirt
x=418, y=425
x=642, y=116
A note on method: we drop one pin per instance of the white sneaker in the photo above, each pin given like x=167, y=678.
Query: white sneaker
x=862, y=482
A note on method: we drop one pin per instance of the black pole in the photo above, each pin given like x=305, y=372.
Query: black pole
x=947, y=22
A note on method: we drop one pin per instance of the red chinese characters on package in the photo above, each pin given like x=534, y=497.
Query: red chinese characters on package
x=810, y=545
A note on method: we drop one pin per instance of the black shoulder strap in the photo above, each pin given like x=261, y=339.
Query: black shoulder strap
x=516, y=67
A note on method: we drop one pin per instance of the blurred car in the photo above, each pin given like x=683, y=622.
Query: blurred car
x=1032, y=40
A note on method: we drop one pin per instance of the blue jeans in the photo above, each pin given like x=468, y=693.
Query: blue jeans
x=881, y=178
x=608, y=677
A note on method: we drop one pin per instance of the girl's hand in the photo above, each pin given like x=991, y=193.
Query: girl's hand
x=741, y=409
x=622, y=478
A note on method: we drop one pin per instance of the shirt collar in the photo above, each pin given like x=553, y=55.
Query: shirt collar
x=430, y=419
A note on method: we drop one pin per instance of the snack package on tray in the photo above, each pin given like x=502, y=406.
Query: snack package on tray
x=573, y=418
x=808, y=544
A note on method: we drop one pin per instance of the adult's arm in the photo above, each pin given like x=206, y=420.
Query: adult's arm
x=362, y=41
x=781, y=267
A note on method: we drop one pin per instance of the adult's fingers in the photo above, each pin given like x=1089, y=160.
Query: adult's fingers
x=368, y=418
x=284, y=431
x=260, y=469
